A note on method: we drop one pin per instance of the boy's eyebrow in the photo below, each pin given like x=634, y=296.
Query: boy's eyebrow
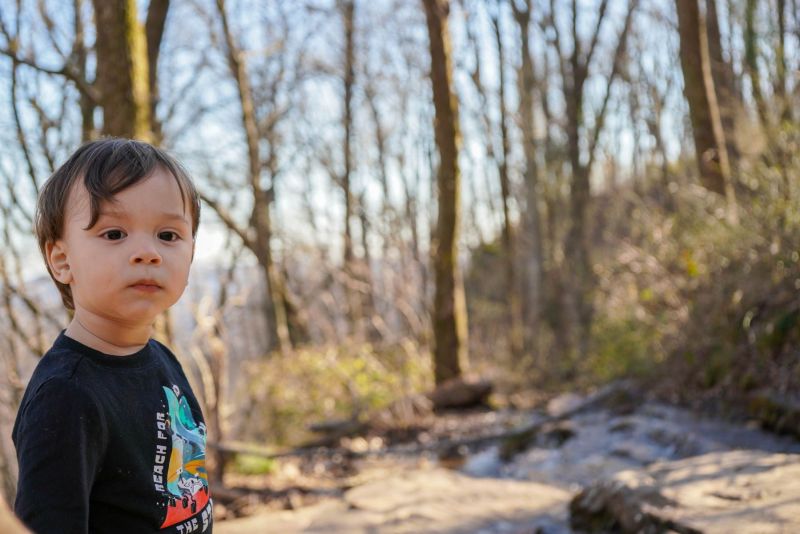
x=116, y=214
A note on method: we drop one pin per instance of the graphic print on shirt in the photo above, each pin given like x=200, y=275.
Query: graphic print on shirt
x=181, y=477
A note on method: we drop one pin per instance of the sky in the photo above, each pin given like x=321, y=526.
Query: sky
x=214, y=143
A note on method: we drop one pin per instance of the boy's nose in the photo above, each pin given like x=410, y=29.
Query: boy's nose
x=146, y=254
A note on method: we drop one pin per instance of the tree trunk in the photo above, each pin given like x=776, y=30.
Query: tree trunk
x=532, y=219
x=751, y=61
x=780, y=91
x=80, y=53
x=449, y=309
x=512, y=291
x=154, y=32
x=348, y=18
x=578, y=299
x=579, y=295
x=729, y=100
x=122, y=72
x=356, y=273
x=260, y=219
x=709, y=137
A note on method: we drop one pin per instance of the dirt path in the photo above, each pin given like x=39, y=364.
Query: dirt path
x=652, y=466
x=423, y=500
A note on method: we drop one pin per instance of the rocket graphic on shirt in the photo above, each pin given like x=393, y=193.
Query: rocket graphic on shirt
x=179, y=473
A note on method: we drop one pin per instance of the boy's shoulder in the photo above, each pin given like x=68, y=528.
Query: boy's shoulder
x=59, y=363
x=78, y=375
x=68, y=360
x=56, y=393
x=158, y=346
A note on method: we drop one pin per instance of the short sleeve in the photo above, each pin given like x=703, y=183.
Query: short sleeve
x=60, y=440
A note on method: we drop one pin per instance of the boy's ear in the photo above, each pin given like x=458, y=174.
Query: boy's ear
x=58, y=262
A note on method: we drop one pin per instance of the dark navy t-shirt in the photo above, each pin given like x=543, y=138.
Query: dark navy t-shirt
x=111, y=444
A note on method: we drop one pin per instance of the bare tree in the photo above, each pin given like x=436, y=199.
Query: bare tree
x=709, y=136
x=532, y=241
x=358, y=284
x=751, y=55
x=122, y=83
x=449, y=309
x=516, y=335
x=575, y=67
x=258, y=235
x=728, y=98
x=154, y=33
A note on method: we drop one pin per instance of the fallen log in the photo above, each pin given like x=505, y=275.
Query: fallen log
x=460, y=393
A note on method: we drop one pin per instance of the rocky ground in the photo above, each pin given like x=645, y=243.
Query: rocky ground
x=609, y=462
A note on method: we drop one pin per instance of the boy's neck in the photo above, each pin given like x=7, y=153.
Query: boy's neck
x=116, y=342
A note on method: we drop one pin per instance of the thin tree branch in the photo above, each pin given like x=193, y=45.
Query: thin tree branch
x=228, y=220
x=83, y=86
x=596, y=36
x=618, y=54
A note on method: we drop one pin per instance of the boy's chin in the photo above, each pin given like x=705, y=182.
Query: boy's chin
x=140, y=318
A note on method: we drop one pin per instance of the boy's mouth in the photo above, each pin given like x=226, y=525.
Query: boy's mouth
x=146, y=285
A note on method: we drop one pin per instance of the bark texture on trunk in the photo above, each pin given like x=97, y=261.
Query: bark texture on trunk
x=729, y=100
x=449, y=309
x=122, y=73
x=154, y=32
x=509, y=239
x=701, y=95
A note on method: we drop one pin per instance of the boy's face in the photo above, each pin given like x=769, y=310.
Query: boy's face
x=134, y=262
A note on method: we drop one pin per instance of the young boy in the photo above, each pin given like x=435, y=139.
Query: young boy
x=109, y=435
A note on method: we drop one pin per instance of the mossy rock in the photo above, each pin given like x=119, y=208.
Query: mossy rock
x=611, y=506
x=518, y=442
x=550, y=435
x=775, y=413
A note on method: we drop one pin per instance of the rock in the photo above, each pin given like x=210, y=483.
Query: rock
x=715, y=493
x=564, y=404
x=622, y=426
x=453, y=457
x=438, y=500
x=618, y=397
x=422, y=500
x=776, y=413
x=681, y=443
x=551, y=434
x=612, y=506
x=554, y=435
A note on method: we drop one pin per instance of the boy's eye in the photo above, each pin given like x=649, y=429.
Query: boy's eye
x=114, y=235
x=168, y=236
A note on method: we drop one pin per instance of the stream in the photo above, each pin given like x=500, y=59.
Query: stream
x=590, y=467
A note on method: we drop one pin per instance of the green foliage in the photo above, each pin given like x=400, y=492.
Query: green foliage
x=621, y=348
x=349, y=381
x=487, y=307
x=251, y=464
x=703, y=306
x=736, y=283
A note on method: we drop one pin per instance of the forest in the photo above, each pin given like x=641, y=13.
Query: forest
x=425, y=220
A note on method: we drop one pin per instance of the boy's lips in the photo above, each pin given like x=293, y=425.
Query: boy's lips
x=146, y=284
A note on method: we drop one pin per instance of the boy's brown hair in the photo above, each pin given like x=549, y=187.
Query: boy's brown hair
x=107, y=166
